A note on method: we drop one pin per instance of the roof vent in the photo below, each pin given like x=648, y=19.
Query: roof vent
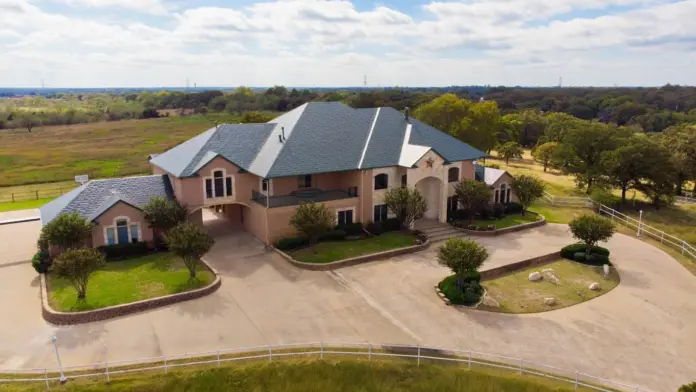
x=406, y=114
x=280, y=138
x=282, y=129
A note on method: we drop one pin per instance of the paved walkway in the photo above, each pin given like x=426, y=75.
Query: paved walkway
x=642, y=332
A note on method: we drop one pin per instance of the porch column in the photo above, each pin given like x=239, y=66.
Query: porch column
x=443, y=195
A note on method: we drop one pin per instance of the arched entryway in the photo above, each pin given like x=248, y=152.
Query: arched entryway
x=221, y=219
x=431, y=188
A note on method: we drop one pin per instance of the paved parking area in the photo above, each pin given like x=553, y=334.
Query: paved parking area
x=642, y=332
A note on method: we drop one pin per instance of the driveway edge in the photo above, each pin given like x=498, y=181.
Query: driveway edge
x=507, y=230
x=353, y=260
x=71, y=318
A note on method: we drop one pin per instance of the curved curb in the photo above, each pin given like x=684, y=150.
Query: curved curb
x=511, y=229
x=71, y=318
x=353, y=260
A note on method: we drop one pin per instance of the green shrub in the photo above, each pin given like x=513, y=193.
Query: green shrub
x=352, y=228
x=124, y=251
x=471, y=276
x=41, y=262
x=594, y=259
x=569, y=251
x=461, y=293
x=579, y=257
x=688, y=387
x=375, y=228
x=333, y=235
x=459, y=215
x=498, y=211
x=391, y=224
x=513, y=208
x=290, y=243
x=42, y=242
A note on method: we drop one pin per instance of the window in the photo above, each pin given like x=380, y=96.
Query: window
x=208, y=188
x=134, y=233
x=380, y=213
x=404, y=180
x=219, y=183
x=110, y=236
x=264, y=186
x=381, y=181
x=345, y=217
x=228, y=186
x=452, y=203
x=453, y=174
x=497, y=196
x=304, y=181
x=509, y=198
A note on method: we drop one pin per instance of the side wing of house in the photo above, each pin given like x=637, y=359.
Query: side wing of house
x=122, y=223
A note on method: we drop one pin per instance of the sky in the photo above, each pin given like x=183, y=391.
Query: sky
x=327, y=43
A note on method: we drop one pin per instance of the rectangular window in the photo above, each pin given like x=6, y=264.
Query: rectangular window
x=264, y=185
x=134, y=233
x=381, y=181
x=304, y=181
x=404, y=180
x=380, y=213
x=208, y=188
x=219, y=187
x=509, y=199
x=497, y=196
x=452, y=203
x=110, y=236
x=345, y=217
x=228, y=186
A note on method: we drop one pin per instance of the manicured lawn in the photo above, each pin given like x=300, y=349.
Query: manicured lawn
x=121, y=282
x=327, y=252
x=388, y=375
x=23, y=205
x=555, y=214
x=508, y=221
x=516, y=294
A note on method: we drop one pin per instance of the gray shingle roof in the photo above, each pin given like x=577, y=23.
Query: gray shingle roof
x=320, y=137
x=95, y=197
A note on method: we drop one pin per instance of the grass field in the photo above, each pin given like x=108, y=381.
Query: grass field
x=327, y=252
x=106, y=149
x=319, y=376
x=508, y=221
x=23, y=205
x=127, y=281
x=516, y=294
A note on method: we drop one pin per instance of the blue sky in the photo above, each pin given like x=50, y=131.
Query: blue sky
x=126, y=43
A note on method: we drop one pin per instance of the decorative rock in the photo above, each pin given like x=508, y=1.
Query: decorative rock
x=534, y=276
x=606, y=269
x=549, y=301
x=490, y=302
x=595, y=286
x=547, y=270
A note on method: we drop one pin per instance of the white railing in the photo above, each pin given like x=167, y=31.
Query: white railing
x=685, y=200
x=643, y=229
x=568, y=201
x=106, y=370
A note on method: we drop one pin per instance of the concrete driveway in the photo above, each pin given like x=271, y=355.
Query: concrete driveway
x=641, y=332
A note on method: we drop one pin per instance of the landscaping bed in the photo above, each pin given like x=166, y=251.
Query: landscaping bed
x=134, y=279
x=515, y=293
x=498, y=224
x=326, y=252
x=467, y=291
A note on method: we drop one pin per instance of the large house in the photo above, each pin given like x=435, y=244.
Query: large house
x=255, y=175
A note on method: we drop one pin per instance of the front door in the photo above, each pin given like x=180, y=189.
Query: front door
x=122, y=234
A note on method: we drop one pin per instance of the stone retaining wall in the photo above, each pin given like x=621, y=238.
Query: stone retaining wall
x=69, y=318
x=506, y=230
x=520, y=265
x=353, y=260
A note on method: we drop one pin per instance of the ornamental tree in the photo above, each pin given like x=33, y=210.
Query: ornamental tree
x=312, y=219
x=510, y=150
x=77, y=265
x=472, y=195
x=407, y=203
x=189, y=242
x=545, y=153
x=67, y=231
x=462, y=256
x=163, y=215
x=592, y=229
x=528, y=189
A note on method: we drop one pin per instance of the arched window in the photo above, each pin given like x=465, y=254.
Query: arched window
x=381, y=181
x=219, y=185
x=453, y=174
x=404, y=180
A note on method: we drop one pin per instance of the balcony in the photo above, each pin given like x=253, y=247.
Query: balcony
x=305, y=195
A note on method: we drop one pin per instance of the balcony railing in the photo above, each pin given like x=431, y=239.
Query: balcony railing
x=298, y=197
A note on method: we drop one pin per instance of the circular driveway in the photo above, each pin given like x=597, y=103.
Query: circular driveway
x=641, y=333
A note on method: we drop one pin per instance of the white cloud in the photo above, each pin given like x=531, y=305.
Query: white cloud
x=147, y=6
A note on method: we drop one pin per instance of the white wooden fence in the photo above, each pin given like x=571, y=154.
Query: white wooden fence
x=685, y=200
x=105, y=371
x=568, y=201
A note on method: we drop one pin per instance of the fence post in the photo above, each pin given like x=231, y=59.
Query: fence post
x=640, y=223
x=106, y=366
x=683, y=246
x=469, y=359
x=13, y=198
x=37, y=194
x=576, y=380
x=321, y=350
x=418, y=362
x=270, y=354
x=48, y=386
x=165, y=366
x=521, y=367
x=369, y=352
x=218, y=358
x=662, y=237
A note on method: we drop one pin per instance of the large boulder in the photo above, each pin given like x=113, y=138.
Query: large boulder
x=534, y=276
x=595, y=286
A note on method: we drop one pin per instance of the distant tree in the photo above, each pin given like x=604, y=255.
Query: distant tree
x=510, y=150
x=545, y=153
x=592, y=229
x=29, y=120
x=218, y=104
x=255, y=117
x=312, y=219
x=680, y=141
x=67, y=231
x=462, y=256
x=472, y=196
x=584, y=146
x=407, y=204
x=630, y=163
x=528, y=189
x=189, y=242
x=76, y=265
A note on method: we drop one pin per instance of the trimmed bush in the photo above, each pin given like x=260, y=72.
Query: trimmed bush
x=461, y=294
x=513, y=208
x=569, y=251
x=498, y=211
x=124, y=251
x=594, y=259
x=579, y=257
x=41, y=262
x=471, y=276
x=333, y=235
x=351, y=229
x=391, y=224
x=374, y=228
x=290, y=243
x=459, y=214
x=485, y=213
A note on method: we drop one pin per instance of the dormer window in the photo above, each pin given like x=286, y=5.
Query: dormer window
x=220, y=185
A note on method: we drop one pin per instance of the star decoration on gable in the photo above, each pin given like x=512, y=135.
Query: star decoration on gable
x=429, y=162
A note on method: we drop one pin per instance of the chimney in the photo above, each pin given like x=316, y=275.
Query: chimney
x=282, y=129
x=280, y=138
x=406, y=114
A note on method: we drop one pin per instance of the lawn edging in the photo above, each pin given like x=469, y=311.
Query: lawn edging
x=353, y=260
x=71, y=318
x=511, y=229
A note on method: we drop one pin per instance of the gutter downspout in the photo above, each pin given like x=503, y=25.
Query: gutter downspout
x=268, y=197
